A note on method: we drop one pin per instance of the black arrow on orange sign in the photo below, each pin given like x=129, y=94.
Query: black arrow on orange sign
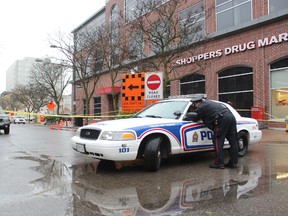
x=131, y=87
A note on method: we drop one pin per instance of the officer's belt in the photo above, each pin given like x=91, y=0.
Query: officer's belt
x=220, y=115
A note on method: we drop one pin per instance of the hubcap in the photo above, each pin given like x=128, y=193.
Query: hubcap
x=241, y=143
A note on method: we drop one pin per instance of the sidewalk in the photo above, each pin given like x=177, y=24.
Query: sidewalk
x=274, y=136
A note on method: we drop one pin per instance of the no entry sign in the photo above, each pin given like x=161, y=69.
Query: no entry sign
x=153, y=86
x=153, y=82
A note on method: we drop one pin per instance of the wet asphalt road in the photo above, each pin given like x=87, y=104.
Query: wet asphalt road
x=42, y=175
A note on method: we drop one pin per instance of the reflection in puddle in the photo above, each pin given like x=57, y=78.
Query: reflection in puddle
x=156, y=199
x=56, y=179
x=85, y=189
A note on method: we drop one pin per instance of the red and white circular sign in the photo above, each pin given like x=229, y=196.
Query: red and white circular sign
x=153, y=82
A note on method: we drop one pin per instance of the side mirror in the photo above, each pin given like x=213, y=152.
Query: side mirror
x=177, y=114
x=190, y=116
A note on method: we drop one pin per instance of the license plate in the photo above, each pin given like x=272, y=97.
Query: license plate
x=80, y=147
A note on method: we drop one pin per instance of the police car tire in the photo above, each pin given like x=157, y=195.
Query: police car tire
x=152, y=154
x=242, y=143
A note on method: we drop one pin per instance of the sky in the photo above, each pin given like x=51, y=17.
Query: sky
x=26, y=26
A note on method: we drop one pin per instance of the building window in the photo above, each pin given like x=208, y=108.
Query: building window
x=136, y=8
x=236, y=87
x=136, y=45
x=97, y=106
x=160, y=36
x=98, y=61
x=192, y=84
x=231, y=13
x=277, y=5
x=130, y=10
x=279, y=88
x=192, y=23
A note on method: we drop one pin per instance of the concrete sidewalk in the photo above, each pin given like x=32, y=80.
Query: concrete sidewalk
x=274, y=136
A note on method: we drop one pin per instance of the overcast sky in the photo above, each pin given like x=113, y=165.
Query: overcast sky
x=26, y=25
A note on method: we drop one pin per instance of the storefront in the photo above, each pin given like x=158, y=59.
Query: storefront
x=243, y=60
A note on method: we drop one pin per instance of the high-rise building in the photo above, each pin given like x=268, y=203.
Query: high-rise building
x=19, y=72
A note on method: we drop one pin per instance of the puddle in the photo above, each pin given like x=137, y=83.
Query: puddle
x=101, y=190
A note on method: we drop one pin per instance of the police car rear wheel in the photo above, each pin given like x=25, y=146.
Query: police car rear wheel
x=152, y=154
x=242, y=144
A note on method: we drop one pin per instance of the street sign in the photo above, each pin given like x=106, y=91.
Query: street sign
x=153, y=86
x=132, y=92
x=51, y=105
x=153, y=82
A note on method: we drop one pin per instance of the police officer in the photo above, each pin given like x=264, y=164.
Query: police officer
x=218, y=118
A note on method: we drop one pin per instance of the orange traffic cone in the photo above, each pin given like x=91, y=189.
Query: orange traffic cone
x=51, y=126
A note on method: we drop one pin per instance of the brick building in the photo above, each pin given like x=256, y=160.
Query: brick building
x=243, y=59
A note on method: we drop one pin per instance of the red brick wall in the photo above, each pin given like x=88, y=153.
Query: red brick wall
x=258, y=59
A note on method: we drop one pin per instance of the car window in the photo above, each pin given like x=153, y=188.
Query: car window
x=165, y=109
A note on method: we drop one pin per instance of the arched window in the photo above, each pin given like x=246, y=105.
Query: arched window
x=192, y=84
x=279, y=88
x=235, y=86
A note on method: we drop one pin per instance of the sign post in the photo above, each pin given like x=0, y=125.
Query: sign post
x=153, y=86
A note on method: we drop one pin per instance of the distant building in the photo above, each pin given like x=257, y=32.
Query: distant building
x=65, y=104
x=19, y=72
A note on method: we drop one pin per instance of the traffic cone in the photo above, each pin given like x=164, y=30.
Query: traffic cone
x=51, y=126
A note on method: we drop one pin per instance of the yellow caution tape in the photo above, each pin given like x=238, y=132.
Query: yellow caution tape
x=273, y=118
x=64, y=116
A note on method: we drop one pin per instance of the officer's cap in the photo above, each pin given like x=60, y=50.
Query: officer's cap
x=197, y=98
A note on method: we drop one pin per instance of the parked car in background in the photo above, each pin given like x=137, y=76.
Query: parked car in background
x=19, y=120
x=30, y=119
x=4, y=123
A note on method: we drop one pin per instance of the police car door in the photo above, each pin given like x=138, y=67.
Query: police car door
x=196, y=137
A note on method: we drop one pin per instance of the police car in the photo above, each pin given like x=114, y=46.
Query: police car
x=158, y=131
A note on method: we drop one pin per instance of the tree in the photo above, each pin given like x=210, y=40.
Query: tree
x=168, y=33
x=80, y=53
x=8, y=101
x=112, y=51
x=53, y=78
x=31, y=96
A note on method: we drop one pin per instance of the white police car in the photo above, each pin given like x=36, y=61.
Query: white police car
x=158, y=131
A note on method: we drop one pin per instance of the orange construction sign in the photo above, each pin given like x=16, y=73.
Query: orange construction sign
x=133, y=92
x=51, y=105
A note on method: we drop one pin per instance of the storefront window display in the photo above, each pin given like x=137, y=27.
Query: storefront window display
x=279, y=89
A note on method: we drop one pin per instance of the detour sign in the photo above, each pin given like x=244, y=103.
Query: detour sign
x=51, y=105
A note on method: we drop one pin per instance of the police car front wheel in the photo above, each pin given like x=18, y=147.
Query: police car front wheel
x=152, y=154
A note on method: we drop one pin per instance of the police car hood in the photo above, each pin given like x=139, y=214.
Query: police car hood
x=130, y=123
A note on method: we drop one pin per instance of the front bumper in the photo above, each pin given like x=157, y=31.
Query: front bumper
x=107, y=150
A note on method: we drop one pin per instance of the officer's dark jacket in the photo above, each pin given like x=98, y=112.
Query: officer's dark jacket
x=208, y=111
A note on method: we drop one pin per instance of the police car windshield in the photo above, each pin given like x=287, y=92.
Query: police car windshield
x=163, y=109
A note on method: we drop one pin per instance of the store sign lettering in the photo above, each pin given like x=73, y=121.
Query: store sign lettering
x=235, y=49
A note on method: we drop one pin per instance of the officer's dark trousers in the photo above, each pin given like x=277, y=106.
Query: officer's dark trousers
x=225, y=128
